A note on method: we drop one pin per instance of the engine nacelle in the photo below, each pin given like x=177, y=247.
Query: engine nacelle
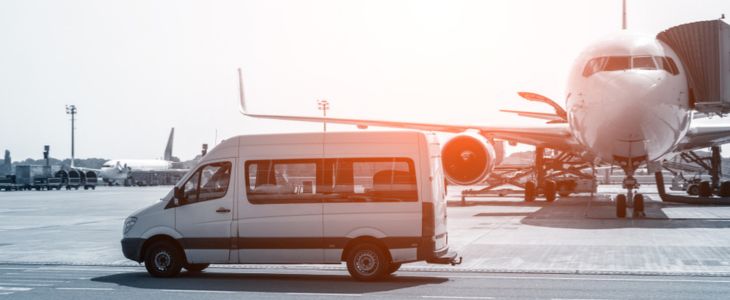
x=468, y=159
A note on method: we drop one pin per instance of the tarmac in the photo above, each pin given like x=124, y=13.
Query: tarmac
x=576, y=235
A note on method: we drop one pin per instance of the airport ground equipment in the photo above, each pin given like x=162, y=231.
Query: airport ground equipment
x=697, y=186
x=559, y=173
x=7, y=183
x=35, y=177
x=89, y=180
x=74, y=179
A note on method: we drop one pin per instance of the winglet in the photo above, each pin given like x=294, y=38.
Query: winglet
x=540, y=98
x=241, y=95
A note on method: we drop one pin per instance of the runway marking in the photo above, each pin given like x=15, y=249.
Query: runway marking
x=37, y=280
x=456, y=297
x=14, y=289
x=84, y=289
x=200, y=291
x=325, y=294
x=25, y=284
x=583, y=279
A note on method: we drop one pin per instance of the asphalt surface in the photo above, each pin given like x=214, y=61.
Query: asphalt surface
x=77, y=282
x=65, y=244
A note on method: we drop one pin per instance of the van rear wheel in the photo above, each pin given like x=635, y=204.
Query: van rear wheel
x=163, y=259
x=367, y=262
x=195, y=268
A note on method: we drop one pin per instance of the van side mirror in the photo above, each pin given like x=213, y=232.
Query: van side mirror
x=179, y=195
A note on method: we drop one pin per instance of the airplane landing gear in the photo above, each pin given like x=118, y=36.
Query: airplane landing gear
x=636, y=201
x=621, y=206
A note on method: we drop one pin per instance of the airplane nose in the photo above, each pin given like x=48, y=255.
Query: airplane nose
x=627, y=102
x=628, y=116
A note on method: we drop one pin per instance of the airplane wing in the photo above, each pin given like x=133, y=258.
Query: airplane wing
x=704, y=136
x=556, y=136
x=551, y=118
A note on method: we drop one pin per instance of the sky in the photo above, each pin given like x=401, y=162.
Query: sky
x=134, y=69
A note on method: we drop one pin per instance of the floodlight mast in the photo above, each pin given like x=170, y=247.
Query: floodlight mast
x=623, y=15
x=71, y=110
x=324, y=105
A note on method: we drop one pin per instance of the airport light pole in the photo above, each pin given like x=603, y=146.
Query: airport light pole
x=71, y=110
x=324, y=105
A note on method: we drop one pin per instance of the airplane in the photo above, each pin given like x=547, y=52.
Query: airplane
x=115, y=171
x=628, y=103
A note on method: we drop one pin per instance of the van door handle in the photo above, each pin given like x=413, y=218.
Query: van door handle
x=222, y=210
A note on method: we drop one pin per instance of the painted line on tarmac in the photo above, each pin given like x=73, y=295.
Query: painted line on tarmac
x=585, y=279
x=38, y=280
x=456, y=297
x=26, y=284
x=83, y=289
x=198, y=291
x=14, y=289
x=325, y=294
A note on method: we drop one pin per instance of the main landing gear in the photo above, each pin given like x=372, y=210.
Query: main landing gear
x=636, y=201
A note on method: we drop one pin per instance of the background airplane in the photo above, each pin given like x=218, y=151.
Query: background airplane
x=115, y=171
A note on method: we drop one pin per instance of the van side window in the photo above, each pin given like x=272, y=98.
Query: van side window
x=208, y=183
x=282, y=181
x=373, y=180
x=214, y=179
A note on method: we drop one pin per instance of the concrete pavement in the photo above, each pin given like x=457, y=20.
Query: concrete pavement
x=573, y=235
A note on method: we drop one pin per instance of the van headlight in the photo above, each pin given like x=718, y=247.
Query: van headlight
x=129, y=223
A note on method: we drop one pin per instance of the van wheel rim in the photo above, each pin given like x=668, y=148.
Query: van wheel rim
x=366, y=262
x=162, y=260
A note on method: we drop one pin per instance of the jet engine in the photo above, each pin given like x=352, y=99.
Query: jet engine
x=468, y=159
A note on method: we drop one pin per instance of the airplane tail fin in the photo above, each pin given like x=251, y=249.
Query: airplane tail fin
x=168, y=149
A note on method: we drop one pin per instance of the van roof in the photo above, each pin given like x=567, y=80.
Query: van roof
x=357, y=137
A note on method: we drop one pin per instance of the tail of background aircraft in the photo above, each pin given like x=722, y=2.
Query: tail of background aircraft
x=168, y=149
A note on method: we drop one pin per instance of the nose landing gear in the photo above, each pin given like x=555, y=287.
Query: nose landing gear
x=635, y=201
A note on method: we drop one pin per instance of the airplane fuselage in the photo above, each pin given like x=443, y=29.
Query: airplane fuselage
x=118, y=169
x=627, y=100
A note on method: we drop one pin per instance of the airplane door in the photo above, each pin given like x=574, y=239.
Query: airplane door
x=205, y=214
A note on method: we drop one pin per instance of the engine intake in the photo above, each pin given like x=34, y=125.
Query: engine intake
x=468, y=159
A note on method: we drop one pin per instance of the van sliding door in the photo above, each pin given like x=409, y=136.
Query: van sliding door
x=280, y=219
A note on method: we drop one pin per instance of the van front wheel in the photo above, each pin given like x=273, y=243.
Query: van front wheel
x=367, y=262
x=163, y=259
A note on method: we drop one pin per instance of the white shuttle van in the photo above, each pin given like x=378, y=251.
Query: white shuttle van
x=372, y=199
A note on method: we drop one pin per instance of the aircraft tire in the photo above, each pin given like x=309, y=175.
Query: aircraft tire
x=638, y=204
x=530, y=191
x=725, y=189
x=704, y=189
x=693, y=190
x=550, y=190
x=621, y=206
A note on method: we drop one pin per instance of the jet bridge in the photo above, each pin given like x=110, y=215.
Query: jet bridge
x=704, y=48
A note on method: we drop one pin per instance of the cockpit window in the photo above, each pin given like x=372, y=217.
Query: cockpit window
x=667, y=64
x=643, y=62
x=620, y=63
x=617, y=63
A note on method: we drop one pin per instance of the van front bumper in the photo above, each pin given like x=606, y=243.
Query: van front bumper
x=132, y=248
